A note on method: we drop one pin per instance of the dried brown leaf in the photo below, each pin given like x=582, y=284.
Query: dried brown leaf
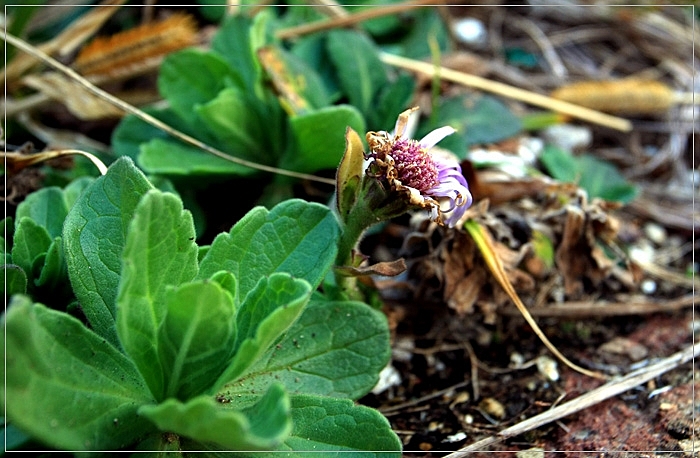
x=80, y=102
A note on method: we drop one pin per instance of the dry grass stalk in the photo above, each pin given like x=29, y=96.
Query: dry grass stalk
x=18, y=161
x=511, y=92
x=355, y=18
x=598, y=309
x=81, y=103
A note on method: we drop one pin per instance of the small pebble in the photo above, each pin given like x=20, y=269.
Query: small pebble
x=548, y=367
x=435, y=425
x=460, y=436
x=568, y=137
x=655, y=232
x=516, y=359
x=648, y=286
x=534, y=452
x=388, y=377
x=470, y=31
x=622, y=346
x=493, y=408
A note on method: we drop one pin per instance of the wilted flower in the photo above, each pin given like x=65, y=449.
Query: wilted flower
x=428, y=180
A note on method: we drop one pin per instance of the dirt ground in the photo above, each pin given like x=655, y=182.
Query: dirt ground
x=465, y=363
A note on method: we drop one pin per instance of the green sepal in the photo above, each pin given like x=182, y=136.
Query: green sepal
x=349, y=173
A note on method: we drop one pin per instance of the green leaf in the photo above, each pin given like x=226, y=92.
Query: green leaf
x=159, y=252
x=233, y=118
x=323, y=424
x=599, y=178
x=262, y=426
x=54, y=273
x=383, y=25
x=168, y=157
x=296, y=84
x=426, y=23
x=7, y=233
x=297, y=237
x=184, y=88
x=197, y=338
x=14, y=280
x=94, y=236
x=31, y=241
x=391, y=100
x=13, y=438
x=478, y=119
x=226, y=280
x=320, y=138
x=234, y=43
x=560, y=164
x=334, y=349
x=67, y=386
x=312, y=50
x=267, y=311
x=361, y=72
x=46, y=207
x=602, y=179
x=132, y=132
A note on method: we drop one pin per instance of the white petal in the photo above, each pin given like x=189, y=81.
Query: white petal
x=435, y=136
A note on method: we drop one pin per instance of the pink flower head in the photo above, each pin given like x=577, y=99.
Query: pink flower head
x=430, y=181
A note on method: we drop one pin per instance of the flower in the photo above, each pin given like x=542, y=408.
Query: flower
x=428, y=180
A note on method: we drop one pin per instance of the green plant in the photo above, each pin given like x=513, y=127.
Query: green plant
x=599, y=178
x=255, y=100
x=216, y=348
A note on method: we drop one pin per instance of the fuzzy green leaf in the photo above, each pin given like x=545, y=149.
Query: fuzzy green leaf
x=313, y=151
x=132, y=132
x=236, y=42
x=478, y=119
x=54, y=274
x=31, y=242
x=267, y=311
x=94, y=236
x=67, y=386
x=338, y=426
x=197, y=338
x=159, y=253
x=262, y=426
x=168, y=157
x=597, y=177
x=14, y=280
x=233, y=117
x=297, y=237
x=186, y=89
x=361, y=72
x=45, y=207
x=391, y=100
x=334, y=349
